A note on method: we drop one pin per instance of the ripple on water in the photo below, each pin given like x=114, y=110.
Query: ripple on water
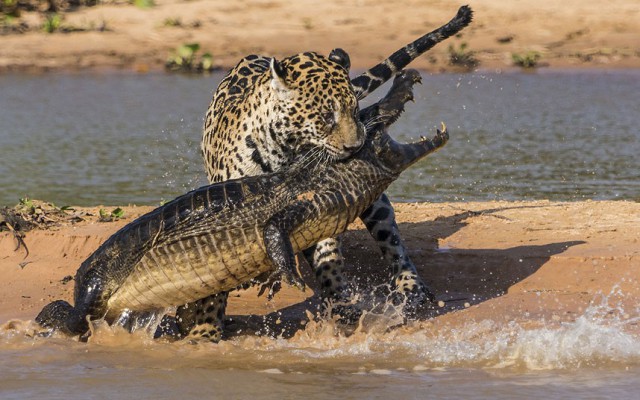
x=557, y=136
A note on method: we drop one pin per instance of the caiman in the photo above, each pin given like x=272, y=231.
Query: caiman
x=221, y=236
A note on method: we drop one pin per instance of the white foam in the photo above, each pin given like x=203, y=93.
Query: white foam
x=604, y=335
x=271, y=371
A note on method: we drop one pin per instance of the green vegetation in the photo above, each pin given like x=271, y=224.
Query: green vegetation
x=10, y=21
x=462, y=57
x=29, y=214
x=207, y=62
x=527, y=60
x=52, y=22
x=26, y=204
x=35, y=207
x=143, y=3
x=114, y=215
x=184, y=56
x=185, y=59
x=9, y=9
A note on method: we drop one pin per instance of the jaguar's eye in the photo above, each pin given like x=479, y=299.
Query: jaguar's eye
x=329, y=118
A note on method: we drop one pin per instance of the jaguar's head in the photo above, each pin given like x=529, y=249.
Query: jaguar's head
x=319, y=108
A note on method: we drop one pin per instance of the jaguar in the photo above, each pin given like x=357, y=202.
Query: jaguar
x=264, y=112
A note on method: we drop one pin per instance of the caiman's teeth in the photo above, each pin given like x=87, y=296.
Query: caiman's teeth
x=444, y=127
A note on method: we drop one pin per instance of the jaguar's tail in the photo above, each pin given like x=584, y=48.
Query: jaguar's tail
x=376, y=76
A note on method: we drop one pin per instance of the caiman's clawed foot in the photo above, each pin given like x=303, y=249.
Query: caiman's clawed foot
x=392, y=105
x=389, y=109
x=273, y=282
x=401, y=90
x=291, y=278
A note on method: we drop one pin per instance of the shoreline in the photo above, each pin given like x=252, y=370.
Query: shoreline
x=104, y=70
x=575, y=35
x=541, y=261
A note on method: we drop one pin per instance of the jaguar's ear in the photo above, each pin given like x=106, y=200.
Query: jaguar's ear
x=278, y=75
x=341, y=57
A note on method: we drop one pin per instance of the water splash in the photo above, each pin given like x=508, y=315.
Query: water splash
x=605, y=335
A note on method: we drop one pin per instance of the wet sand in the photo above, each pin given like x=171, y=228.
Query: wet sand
x=499, y=261
x=568, y=34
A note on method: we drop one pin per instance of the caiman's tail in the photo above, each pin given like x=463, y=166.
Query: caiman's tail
x=376, y=76
x=63, y=317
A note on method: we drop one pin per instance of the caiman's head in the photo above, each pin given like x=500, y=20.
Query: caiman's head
x=395, y=157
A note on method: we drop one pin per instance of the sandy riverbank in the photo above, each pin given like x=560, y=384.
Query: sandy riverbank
x=501, y=261
x=568, y=34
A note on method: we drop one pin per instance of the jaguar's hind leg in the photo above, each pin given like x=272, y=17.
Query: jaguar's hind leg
x=328, y=264
x=326, y=258
x=202, y=319
x=381, y=223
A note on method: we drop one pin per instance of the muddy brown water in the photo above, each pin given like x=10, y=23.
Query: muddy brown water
x=595, y=356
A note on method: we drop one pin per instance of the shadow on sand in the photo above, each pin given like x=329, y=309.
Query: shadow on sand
x=459, y=277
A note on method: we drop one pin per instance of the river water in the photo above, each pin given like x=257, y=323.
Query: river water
x=594, y=357
x=85, y=139
x=116, y=139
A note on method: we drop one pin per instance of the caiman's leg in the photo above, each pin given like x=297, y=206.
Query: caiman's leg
x=279, y=248
x=63, y=317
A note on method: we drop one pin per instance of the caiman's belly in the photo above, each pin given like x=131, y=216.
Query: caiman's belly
x=192, y=268
x=326, y=226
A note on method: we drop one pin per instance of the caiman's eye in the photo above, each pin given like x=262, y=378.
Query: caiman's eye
x=329, y=118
